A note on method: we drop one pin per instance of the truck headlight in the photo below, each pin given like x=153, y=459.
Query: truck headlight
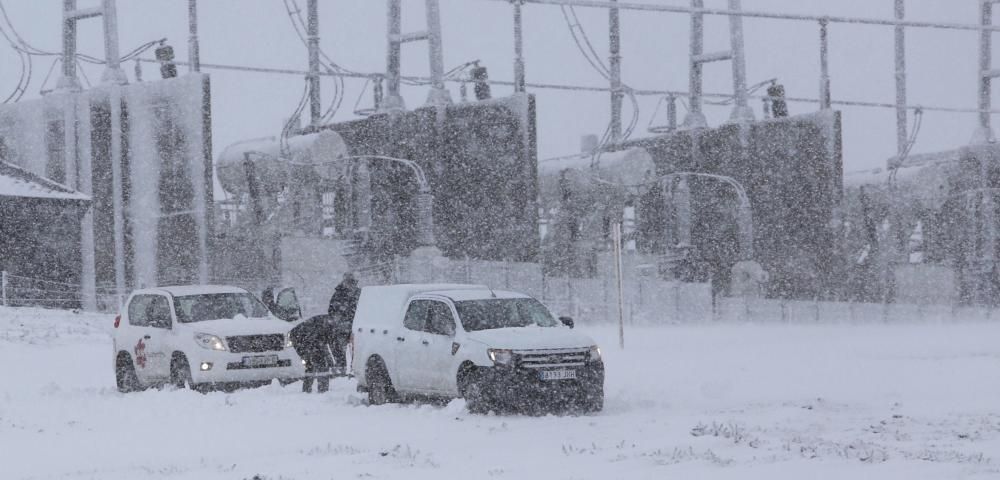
x=500, y=356
x=210, y=341
x=595, y=354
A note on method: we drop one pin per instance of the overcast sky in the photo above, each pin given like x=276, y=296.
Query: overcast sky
x=942, y=64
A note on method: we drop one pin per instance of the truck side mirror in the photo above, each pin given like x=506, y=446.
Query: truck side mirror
x=568, y=321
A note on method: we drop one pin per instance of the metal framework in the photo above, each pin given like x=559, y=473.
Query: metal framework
x=113, y=73
x=695, y=117
x=438, y=95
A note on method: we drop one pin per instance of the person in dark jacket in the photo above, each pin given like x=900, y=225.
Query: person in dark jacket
x=313, y=340
x=345, y=297
x=343, y=304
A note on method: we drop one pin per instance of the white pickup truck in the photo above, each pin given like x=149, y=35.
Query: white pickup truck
x=497, y=349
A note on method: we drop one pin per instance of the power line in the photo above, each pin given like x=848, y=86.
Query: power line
x=761, y=14
x=581, y=88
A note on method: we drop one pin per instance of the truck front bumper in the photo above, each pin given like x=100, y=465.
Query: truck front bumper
x=525, y=388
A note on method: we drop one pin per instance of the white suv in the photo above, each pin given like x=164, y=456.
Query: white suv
x=496, y=349
x=200, y=337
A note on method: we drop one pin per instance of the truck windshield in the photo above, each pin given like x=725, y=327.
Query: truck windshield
x=215, y=306
x=503, y=313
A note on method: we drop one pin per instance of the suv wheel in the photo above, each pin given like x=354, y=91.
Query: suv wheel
x=125, y=374
x=380, y=389
x=180, y=374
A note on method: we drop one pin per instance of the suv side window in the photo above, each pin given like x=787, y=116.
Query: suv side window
x=158, y=312
x=440, y=321
x=416, y=316
x=137, y=311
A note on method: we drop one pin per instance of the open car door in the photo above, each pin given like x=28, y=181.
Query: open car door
x=285, y=304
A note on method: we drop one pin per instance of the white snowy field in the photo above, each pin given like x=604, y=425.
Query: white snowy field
x=708, y=402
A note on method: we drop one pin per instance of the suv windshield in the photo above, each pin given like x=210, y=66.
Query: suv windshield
x=215, y=306
x=503, y=313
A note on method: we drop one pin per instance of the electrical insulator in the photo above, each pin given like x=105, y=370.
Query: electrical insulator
x=378, y=93
x=165, y=55
x=776, y=92
x=481, y=79
x=425, y=219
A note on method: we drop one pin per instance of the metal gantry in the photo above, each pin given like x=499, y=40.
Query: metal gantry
x=107, y=10
x=438, y=95
x=741, y=111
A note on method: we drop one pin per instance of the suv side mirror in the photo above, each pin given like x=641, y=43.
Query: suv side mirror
x=568, y=321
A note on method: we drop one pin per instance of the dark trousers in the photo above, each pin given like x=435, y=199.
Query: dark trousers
x=318, y=367
x=339, y=349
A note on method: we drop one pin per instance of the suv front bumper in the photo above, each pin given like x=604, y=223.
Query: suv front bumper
x=230, y=367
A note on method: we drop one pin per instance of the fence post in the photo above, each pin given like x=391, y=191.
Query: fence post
x=544, y=287
x=506, y=274
x=3, y=287
x=677, y=300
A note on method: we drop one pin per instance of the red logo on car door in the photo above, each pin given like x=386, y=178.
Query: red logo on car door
x=140, y=354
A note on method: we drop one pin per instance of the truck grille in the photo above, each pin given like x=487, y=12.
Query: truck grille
x=552, y=358
x=256, y=343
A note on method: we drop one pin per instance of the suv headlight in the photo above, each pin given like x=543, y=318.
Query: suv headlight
x=500, y=356
x=595, y=354
x=209, y=341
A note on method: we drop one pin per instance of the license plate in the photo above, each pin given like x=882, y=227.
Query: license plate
x=260, y=361
x=557, y=374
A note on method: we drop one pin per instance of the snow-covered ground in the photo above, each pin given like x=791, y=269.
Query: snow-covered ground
x=720, y=401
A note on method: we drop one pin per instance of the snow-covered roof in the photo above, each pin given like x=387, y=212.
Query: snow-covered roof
x=18, y=182
x=477, y=294
x=383, y=305
x=184, y=290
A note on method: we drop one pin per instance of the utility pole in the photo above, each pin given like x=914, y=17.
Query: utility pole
x=68, y=81
x=393, y=100
x=438, y=96
x=312, y=33
x=984, y=131
x=695, y=118
x=824, y=66
x=616, y=73
x=741, y=110
x=194, y=55
x=113, y=74
x=518, y=48
x=900, y=44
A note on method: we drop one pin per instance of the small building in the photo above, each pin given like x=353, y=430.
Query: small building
x=39, y=239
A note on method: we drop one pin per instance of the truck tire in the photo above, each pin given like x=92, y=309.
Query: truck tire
x=125, y=376
x=470, y=387
x=380, y=391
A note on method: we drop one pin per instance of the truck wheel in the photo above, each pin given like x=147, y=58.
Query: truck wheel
x=380, y=389
x=469, y=385
x=125, y=374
